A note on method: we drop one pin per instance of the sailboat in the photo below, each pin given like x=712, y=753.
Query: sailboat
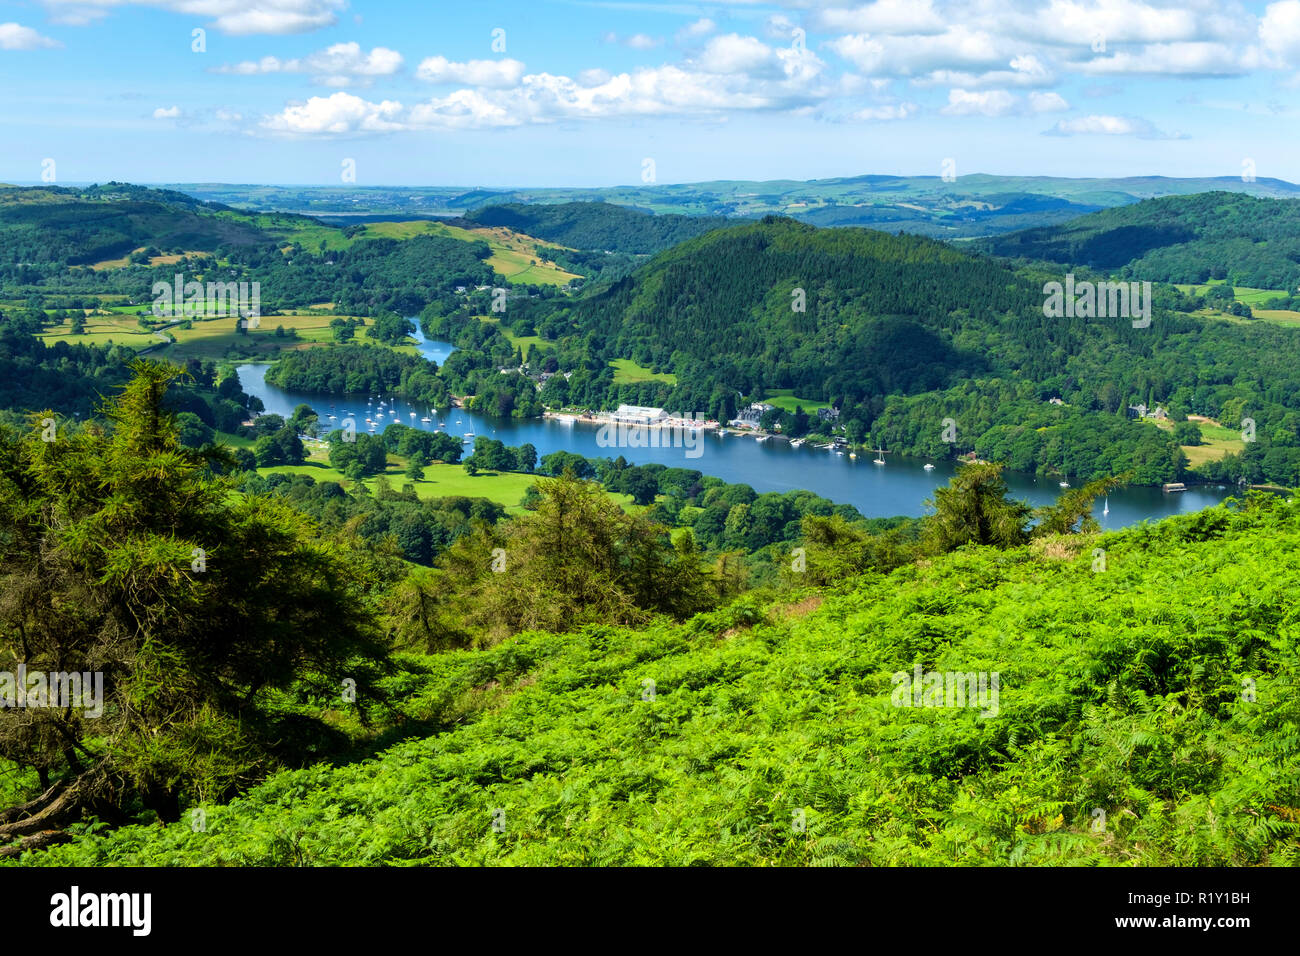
x=928, y=466
x=1105, y=508
x=880, y=457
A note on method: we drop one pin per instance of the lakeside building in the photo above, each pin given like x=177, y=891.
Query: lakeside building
x=639, y=415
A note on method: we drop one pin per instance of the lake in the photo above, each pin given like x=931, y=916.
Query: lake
x=899, y=487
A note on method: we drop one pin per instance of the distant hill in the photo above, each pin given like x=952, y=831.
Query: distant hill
x=85, y=226
x=598, y=225
x=967, y=206
x=1186, y=239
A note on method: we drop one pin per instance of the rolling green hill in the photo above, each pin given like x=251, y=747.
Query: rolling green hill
x=1146, y=714
x=1246, y=240
x=604, y=226
x=81, y=227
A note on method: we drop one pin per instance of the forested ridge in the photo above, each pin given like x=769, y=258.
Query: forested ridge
x=1184, y=239
x=598, y=226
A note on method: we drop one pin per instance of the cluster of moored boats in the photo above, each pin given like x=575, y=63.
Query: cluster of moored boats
x=378, y=411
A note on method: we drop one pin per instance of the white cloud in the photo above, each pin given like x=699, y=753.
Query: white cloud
x=14, y=36
x=547, y=98
x=169, y=112
x=989, y=103
x=885, y=16
x=1047, y=102
x=1026, y=71
x=1105, y=125
x=1171, y=59
x=492, y=73
x=1279, y=31
x=694, y=31
x=238, y=17
x=337, y=65
x=1079, y=22
x=1002, y=103
x=637, y=41
x=897, y=111
x=958, y=48
x=733, y=53
x=335, y=114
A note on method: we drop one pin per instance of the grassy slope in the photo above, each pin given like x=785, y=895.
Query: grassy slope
x=627, y=372
x=440, y=480
x=785, y=399
x=1119, y=690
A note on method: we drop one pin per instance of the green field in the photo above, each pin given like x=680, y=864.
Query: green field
x=1217, y=442
x=1249, y=296
x=440, y=480
x=627, y=372
x=784, y=399
x=102, y=330
x=520, y=342
x=209, y=338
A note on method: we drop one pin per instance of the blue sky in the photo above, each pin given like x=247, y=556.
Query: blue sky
x=581, y=92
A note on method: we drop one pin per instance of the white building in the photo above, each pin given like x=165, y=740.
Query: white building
x=640, y=415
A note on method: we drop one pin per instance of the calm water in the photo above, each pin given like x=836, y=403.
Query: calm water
x=899, y=487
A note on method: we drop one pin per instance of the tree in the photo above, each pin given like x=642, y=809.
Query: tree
x=1187, y=433
x=1072, y=511
x=192, y=431
x=125, y=557
x=577, y=558
x=974, y=509
x=391, y=328
x=526, y=457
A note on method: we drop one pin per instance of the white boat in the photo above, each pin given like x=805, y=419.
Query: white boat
x=426, y=418
x=412, y=414
x=1065, y=484
x=797, y=443
x=929, y=467
x=880, y=456
x=853, y=454
x=1105, y=509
